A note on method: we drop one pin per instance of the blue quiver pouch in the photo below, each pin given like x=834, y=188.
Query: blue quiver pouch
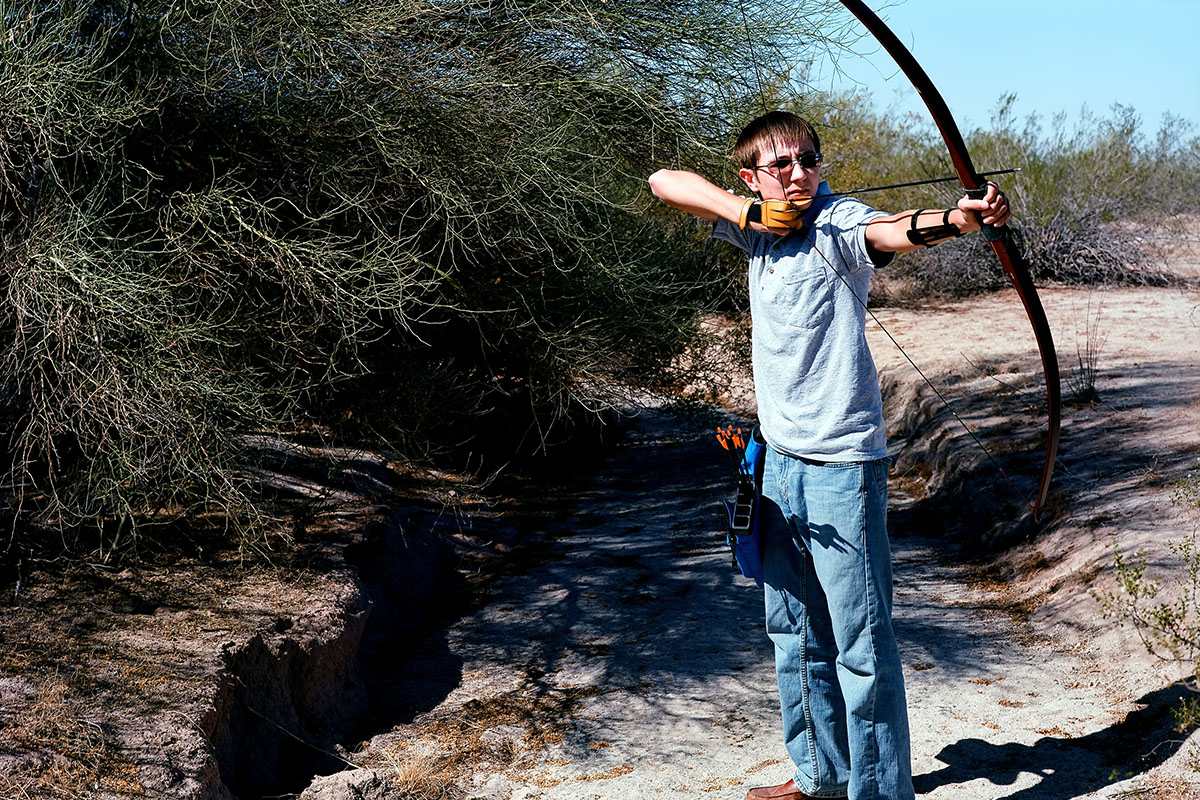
x=743, y=535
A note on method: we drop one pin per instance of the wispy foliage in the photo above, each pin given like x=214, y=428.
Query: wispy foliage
x=413, y=224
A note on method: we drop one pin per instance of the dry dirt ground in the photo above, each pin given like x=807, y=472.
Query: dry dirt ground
x=617, y=655
x=1018, y=688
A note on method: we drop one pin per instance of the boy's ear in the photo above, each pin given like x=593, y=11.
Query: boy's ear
x=750, y=178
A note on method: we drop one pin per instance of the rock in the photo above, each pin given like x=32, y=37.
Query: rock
x=504, y=737
x=497, y=787
x=353, y=784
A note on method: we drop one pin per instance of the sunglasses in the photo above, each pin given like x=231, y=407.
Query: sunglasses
x=805, y=160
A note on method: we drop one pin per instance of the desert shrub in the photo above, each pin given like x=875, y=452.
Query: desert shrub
x=1085, y=198
x=1086, y=201
x=414, y=226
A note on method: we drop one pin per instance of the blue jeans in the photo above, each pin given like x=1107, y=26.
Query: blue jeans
x=828, y=573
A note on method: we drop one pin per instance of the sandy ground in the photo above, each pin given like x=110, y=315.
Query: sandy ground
x=1017, y=688
x=614, y=653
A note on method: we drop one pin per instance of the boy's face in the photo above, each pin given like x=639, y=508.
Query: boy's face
x=775, y=182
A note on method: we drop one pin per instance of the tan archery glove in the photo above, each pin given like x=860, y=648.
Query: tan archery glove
x=774, y=213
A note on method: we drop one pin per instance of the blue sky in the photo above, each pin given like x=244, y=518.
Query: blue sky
x=1055, y=55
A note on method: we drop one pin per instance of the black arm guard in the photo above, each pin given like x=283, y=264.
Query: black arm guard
x=928, y=237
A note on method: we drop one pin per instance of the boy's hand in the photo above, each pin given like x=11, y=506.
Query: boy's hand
x=778, y=216
x=782, y=214
x=992, y=209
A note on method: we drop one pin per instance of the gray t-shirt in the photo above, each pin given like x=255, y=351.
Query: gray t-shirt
x=815, y=382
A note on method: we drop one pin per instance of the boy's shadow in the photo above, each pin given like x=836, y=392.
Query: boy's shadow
x=1069, y=767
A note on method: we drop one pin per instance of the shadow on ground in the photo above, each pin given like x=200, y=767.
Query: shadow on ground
x=633, y=595
x=1140, y=742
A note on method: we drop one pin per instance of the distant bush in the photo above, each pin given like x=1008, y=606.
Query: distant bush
x=1087, y=201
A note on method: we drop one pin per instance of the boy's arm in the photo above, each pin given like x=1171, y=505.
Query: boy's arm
x=689, y=192
x=892, y=234
x=696, y=195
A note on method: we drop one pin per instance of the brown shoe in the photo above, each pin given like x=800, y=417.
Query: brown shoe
x=784, y=791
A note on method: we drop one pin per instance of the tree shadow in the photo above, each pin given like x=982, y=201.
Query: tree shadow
x=618, y=579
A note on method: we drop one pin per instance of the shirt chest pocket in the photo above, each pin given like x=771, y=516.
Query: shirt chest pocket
x=802, y=298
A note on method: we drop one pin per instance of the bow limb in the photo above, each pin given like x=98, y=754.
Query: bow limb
x=1001, y=239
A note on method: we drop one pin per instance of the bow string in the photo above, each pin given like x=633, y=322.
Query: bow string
x=1002, y=239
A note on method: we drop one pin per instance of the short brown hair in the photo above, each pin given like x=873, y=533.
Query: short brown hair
x=770, y=131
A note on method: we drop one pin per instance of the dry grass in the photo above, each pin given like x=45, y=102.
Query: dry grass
x=492, y=734
x=419, y=777
x=56, y=750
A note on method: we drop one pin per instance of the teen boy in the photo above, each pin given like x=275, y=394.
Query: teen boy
x=826, y=558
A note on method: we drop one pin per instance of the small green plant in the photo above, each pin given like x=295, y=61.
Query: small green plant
x=1169, y=626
